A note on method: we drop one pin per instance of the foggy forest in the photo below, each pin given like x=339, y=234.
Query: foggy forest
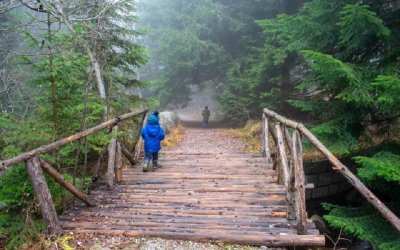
x=247, y=92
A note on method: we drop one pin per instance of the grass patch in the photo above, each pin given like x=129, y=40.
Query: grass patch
x=250, y=134
x=174, y=138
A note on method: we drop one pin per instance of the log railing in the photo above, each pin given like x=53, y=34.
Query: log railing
x=291, y=173
x=35, y=167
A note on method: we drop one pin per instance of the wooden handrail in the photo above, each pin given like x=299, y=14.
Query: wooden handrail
x=50, y=147
x=340, y=167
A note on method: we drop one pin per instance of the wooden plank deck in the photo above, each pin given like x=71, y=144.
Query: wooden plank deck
x=196, y=196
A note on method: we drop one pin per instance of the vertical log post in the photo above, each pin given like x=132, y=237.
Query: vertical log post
x=263, y=136
x=300, y=197
x=43, y=196
x=61, y=180
x=282, y=156
x=140, y=126
x=118, y=162
x=267, y=150
x=111, y=160
x=139, y=143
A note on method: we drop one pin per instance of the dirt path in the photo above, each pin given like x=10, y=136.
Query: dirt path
x=213, y=140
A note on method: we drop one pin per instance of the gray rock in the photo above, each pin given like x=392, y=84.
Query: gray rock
x=168, y=121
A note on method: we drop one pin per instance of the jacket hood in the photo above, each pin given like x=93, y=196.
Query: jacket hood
x=152, y=130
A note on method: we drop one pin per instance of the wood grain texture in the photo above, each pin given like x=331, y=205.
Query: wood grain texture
x=202, y=197
x=43, y=196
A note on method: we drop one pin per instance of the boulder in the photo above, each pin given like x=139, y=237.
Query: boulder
x=168, y=121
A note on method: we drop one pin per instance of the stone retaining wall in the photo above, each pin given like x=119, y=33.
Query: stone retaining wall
x=326, y=182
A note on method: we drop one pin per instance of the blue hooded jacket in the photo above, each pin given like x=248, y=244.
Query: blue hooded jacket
x=152, y=135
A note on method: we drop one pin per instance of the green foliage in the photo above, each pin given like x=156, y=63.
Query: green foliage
x=360, y=30
x=387, y=95
x=16, y=191
x=60, y=97
x=381, y=172
x=19, y=229
x=366, y=224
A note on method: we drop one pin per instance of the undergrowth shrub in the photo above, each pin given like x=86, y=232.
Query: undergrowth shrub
x=251, y=133
x=174, y=137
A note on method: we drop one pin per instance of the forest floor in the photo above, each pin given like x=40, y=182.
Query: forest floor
x=209, y=140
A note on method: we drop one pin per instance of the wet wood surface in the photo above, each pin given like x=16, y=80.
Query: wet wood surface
x=198, y=196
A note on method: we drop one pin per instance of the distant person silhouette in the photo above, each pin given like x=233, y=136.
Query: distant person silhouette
x=206, y=116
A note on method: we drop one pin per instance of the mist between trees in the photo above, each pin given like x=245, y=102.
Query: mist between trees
x=68, y=65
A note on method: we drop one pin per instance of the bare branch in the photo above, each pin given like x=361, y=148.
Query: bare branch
x=37, y=9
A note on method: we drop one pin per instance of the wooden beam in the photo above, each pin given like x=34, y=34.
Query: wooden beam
x=266, y=147
x=282, y=155
x=341, y=168
x=299, y=184
x=139, y=143
x=43, y=196
x=111, y=160
x=118, y=162
x=140, y=126
x=127, y=155
x=64, y=141
x=61, y=180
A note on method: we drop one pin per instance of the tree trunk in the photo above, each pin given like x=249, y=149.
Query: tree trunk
x=92, y=55
x=43, y=196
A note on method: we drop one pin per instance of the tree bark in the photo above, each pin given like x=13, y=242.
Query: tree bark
x=61, y=180
x=64, y=141
x=43, y=196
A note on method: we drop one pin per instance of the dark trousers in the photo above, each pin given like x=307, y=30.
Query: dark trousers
x=148, y=156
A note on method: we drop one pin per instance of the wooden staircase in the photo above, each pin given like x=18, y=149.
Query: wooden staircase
x=196, y=196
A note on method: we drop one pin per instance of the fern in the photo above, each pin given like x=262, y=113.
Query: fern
x=387, y=94
x=365, y=223
x=360, y=28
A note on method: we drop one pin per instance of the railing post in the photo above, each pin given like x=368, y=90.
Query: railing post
x=111, y=160
x=299, y=184
x=282, y=156
x=43, y=196
x=118, y=162
x=139, y=143
x=266, y=148
x=263, y=135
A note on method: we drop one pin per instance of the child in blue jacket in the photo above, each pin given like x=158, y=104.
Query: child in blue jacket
x=152, y=135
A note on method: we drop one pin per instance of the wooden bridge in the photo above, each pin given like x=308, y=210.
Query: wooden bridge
x=253, y=199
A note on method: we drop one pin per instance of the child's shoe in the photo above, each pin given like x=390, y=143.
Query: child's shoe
x=145, y=165
x=156, y=165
